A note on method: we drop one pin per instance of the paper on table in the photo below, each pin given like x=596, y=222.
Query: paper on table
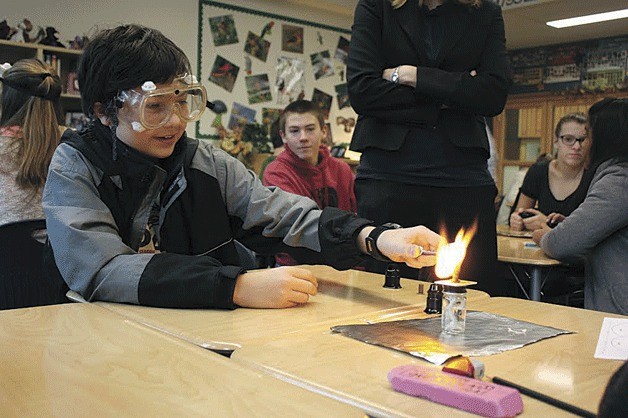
x=613, y=341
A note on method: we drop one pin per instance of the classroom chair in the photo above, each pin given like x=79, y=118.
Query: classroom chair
x=23, y=281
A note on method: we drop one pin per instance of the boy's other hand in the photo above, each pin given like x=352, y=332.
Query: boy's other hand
x=282, y=287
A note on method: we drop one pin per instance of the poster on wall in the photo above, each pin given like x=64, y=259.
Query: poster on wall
x=599, y=65
x=257, y=63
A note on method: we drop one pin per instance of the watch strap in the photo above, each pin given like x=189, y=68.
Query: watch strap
x=371, y=240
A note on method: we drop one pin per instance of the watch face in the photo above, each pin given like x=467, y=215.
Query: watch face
x=391, y=225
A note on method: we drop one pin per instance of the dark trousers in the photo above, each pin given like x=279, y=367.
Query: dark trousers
x=445, y=211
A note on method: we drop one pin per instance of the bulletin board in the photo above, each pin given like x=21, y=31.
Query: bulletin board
x=598, y=65
x=257, y=63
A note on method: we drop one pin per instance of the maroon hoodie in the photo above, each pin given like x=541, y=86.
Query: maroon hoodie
x=330, y=183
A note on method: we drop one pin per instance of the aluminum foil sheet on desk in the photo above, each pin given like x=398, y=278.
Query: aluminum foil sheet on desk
x=485, y=334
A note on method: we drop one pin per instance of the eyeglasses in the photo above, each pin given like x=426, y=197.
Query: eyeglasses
x=569, y=140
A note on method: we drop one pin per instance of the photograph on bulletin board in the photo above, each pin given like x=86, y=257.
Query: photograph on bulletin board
x=223, y=30
x=240, y=115
x=258, y=88
x=322, y=64
x=323, y=100
x=292, y=39
x=256, y=46
x=342, y=50
x=224, y=73
x=258, y=62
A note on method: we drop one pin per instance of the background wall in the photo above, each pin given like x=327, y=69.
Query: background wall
x=177, y=19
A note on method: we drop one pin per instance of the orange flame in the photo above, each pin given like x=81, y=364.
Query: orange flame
x=450, y=256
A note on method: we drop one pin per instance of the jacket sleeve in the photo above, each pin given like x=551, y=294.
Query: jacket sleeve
x=484, y=94
x=369, y=93
x=601, y=214
x=315, y=236
x=95, y=262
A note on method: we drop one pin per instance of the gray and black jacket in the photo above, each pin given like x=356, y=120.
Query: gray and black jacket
x=98, y=199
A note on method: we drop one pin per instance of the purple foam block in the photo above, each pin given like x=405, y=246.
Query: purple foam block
x=479, y=397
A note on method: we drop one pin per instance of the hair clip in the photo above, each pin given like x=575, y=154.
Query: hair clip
x=4, y=67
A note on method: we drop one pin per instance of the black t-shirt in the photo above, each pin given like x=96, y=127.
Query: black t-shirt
x=536, y=186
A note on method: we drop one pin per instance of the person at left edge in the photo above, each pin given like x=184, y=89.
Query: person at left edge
x=139, y=213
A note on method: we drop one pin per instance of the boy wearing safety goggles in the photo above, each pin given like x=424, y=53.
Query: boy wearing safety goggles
x=137, y=212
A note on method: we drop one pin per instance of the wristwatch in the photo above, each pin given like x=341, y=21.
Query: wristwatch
x=371, y=240
x=395, y=76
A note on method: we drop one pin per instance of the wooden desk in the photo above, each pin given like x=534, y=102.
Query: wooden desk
x=353, y=371
x=342, y=295
x=82, y=360
x=513, y=250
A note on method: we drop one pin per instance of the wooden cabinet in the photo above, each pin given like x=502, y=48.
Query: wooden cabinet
x=63, y=59
x=525, y=130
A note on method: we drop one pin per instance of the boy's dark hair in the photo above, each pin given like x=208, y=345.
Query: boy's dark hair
x=608, y=121
x=301, y=106
x=123, y=58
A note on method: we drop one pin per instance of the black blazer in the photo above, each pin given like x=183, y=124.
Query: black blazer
x=446, y=98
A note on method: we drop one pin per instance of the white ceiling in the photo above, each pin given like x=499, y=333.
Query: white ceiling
x=525, y=26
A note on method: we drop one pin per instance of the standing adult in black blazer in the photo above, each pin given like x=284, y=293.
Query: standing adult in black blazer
x=422, y=76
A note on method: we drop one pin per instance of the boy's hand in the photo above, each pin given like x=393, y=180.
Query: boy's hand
x=404, y=245
x=282, y=287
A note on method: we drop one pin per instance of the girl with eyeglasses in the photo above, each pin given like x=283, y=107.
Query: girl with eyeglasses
x=552, y=189
x=597, y=231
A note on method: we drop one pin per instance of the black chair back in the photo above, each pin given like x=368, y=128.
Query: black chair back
x=24, y=282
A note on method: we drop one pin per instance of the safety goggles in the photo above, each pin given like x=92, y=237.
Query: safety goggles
x=153, y=107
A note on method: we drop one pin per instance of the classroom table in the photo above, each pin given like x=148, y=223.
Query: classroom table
x=522, y=250
x=355, y=372
x=82, y=360
x=341, y=295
